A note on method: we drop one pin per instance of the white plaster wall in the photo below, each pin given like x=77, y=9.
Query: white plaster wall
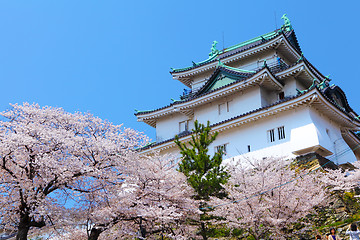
x=255, y=135
x=290, y=86
x=167, y=127
x=329, y=134
x=257, y=61
x=304, y=128
x=268, y=97
x=239, y=103
x=304, y=136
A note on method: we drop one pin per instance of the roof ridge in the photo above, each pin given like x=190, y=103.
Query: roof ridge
x=219, y=68
x=215, y=53
x=219, y=54
x=202, y=94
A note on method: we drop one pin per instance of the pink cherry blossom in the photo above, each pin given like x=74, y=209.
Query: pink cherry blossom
x=49, y=156
x=267, y=195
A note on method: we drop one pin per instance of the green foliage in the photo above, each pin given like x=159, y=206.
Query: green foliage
x=216, y=231
x=204, y=173
x=347, y=221
x=351, y=202
x=335, y=214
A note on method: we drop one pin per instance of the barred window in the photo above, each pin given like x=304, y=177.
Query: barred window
x=223, y=146
x=271, y=135
x=281, y=132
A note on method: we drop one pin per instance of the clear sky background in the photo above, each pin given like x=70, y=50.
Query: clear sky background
x=110, y=57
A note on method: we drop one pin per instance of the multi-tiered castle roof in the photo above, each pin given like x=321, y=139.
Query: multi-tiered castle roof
x=274, y=64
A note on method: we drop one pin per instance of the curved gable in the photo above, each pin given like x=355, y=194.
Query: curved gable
x=222, y=77
x=337, y=95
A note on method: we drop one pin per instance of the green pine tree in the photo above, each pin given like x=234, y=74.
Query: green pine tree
x=204, y=172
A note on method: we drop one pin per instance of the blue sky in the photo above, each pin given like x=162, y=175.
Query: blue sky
x=110, y=57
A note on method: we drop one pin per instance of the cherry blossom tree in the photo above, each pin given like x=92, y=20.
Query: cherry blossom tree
x=265, y=196
x=154, y=200
x=49, y=156
x=165, y=196
x=340, y=182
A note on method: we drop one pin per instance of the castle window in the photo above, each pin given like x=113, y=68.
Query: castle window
x=223, y=146
x=271, y=135
x=183, y=126
x=281, y=132
x=281, y=95
x=223, y=108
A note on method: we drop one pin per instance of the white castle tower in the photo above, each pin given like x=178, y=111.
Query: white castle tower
x=265, y=99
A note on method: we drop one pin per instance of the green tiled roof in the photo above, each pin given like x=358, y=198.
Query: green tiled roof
x=217, y=53
x=234, y=69
x=210, y=59
x=196, y=64
x=220, y=82
x=262, y=37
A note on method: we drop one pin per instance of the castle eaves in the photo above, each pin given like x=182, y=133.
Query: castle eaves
x=222, y=54
x=245, y=76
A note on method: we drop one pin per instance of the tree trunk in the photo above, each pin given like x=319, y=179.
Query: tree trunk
x=142, y=230
x=95, y=233
x=203, y=231
x=22, y=233
x=24, y=227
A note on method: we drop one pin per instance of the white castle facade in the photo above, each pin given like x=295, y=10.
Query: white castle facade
x=265, y=99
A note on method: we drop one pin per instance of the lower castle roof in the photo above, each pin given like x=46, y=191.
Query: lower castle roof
x=352, y=116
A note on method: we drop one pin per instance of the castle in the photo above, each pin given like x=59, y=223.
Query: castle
x=264, y=98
